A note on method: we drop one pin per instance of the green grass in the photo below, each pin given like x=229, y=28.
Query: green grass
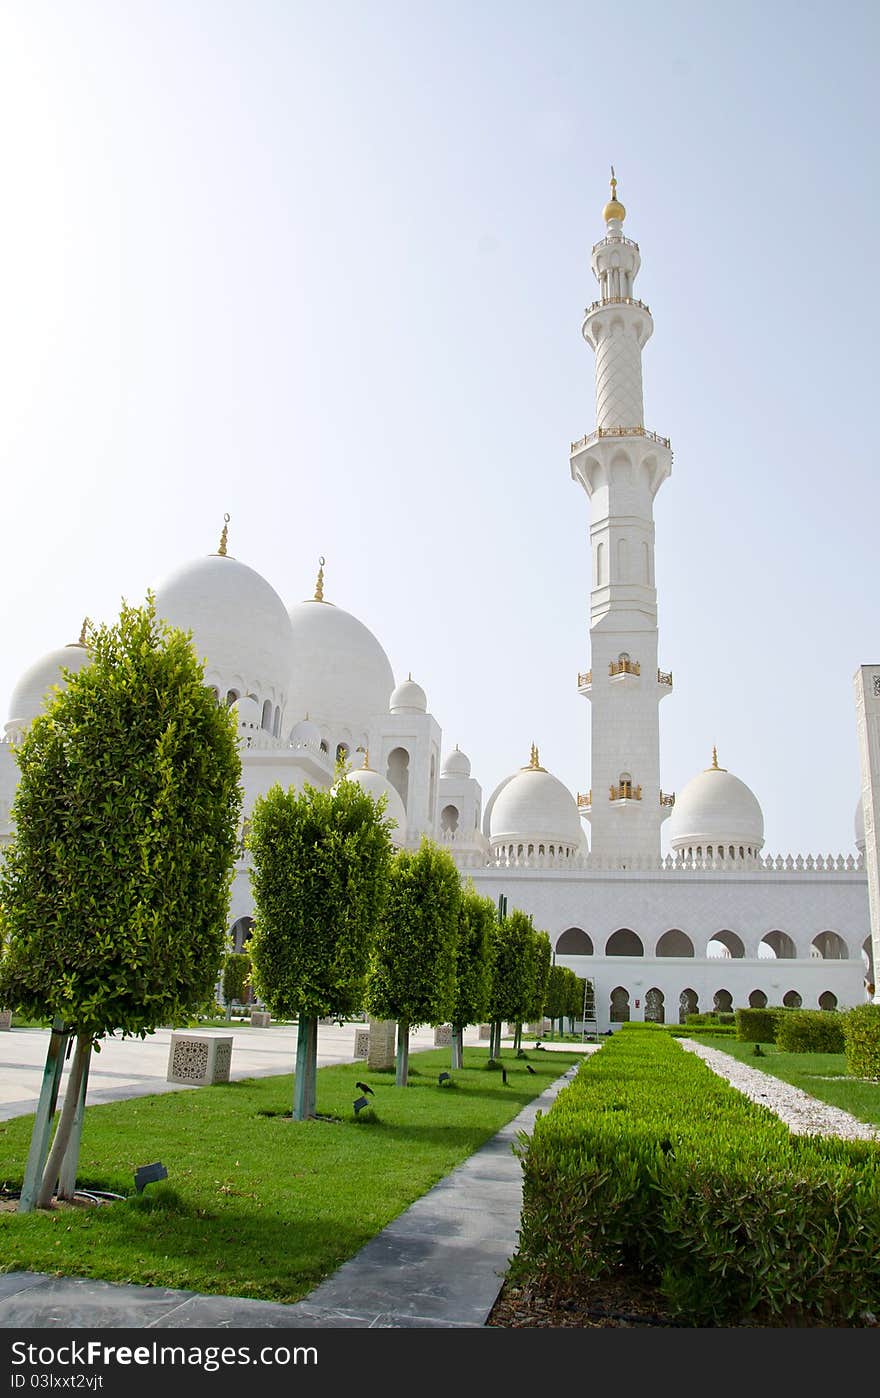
x=256, y=1204
x=822, y=1075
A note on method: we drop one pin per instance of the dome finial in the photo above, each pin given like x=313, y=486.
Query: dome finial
x=534, y=760
x=715, y=767
x=614, y=209
x=366, y=766
x=319, y=585
x=82, y=632
x=221, y=547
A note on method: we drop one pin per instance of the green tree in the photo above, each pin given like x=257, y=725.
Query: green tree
x=115, y=888
x=558, y=995
x=236, y=973
x=540, y=956
x=473, y=969
x=512, y=975
x=320, y=875
x=413, y=973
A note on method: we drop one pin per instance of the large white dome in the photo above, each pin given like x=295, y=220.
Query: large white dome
x=341, y=675
x=34, y=688
x=716, y=810
x=377, y=786
x=534, y=806
x=239, y=624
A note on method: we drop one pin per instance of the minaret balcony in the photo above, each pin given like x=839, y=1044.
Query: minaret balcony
x=616, y=238
x=624, y=666
x=625, y=792
x=600, y=432
x=585, y=802
x=616, y=301
x=664, y=682
x=667, y=798
x=585, y=682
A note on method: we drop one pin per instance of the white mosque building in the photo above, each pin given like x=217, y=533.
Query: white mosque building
x=715, y=924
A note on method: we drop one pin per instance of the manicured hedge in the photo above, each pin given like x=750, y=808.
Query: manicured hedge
x=810, y=1031
x=650, y=1161
x=757, y=1026
x=861, y=1032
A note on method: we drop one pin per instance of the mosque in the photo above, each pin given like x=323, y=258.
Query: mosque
x=715, y=924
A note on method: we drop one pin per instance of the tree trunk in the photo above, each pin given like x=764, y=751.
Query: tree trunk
x=402, y=1053
x=65, y=1123
x=39, y=1148
x=306, y=1066
x=457, y=1045
x=517, y=1038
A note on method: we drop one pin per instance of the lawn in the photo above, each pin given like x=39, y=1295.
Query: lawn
x=256, y=1204
x=822, y=1075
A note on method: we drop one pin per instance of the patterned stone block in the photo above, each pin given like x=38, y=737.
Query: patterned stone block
x=361, y=1043
x=199, y=1058
x=442, y=1035
x=383, y=1044
x=260, y=1019
x=5, y=1019
x=485, y=1031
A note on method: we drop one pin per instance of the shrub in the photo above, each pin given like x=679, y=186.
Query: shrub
x=810, y=1031
x=756, y=1026
x=648, y=1160
x=861, y=1032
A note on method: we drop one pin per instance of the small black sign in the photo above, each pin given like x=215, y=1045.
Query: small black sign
x=444, y=1077
x=149, y=1174
x=360, y=1104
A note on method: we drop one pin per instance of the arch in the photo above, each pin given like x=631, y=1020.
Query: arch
x=625, y=785
x=241, y=932
x=655, y=1012
x=830, y=946
x=232, y=695
x=622, y=560
x=688, y=1004
x=215, y=691
x=266, y=716
x=601, y=578
x=624, y=942
x=675, y=943
x=757, y=1000
x=276, y=726
x=397, y=772
x=730, y=944
x=343, y=752
x=722, y=1001
x=449, y=819
x=827, y=1000
x=792, y=1000
x=575, y=942
x=325, y=746
x=780, y=944
x=619, y=1008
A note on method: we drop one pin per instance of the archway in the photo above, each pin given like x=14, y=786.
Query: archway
x=619, y=1013
x=757, y=1000
x=449, y=819
x=241, y=932
x=827, y=1000
x=688, y=1004
x=831, y=947
x=575, y=942
x=624, y=942
x=654, y=1006
x=792, y=1000
x=722, y=1002
x=780, y=944
x=726, y=944
x=675, y=943
x=397, y=772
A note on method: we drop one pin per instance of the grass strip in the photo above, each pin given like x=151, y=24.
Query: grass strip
x=256, y=1204
x=822, y=1075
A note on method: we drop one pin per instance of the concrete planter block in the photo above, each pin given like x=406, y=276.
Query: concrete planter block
x=260, y=1019
x=199, y=1058
x=442, y=1035
x=485, y=1031
x=383, y=1044
x=5, y=1019
x=362, y=1043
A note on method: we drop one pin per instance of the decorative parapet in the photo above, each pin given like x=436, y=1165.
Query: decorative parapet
x=585, y=677
x=667, y=798
x=616, y=301
x=625, y=792
x=664, y=678
x=624, y=667
x=599, y=432
x=616, y=238
x=569, y=863
x=584, y=802
x=771, y=864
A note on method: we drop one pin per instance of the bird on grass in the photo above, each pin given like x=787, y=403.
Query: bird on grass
x=530, y=1069
x=365, y=1087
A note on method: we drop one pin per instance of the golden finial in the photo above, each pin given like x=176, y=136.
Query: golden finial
x=715, y=767
x=366, y=766
x=614, y=208
x=534, y=760
x=221, y=549
x=82, y=633
x=319, y=585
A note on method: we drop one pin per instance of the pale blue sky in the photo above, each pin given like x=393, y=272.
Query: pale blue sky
x=323, y=266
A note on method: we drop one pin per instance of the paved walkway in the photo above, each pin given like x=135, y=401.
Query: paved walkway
x=438, y=1264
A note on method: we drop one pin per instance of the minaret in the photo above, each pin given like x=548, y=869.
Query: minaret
x=621, y=466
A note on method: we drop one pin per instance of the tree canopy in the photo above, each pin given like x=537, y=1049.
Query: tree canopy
x=476, y=927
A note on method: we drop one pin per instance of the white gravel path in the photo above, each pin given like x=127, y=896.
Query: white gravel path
x=804, y=1115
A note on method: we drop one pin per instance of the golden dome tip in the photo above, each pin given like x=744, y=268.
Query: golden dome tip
x=614, y=209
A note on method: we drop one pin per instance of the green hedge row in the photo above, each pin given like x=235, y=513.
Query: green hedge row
x=810, y=1031
x=650, y=1161
x=861, y=1032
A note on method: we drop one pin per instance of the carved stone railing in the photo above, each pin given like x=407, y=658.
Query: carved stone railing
x=667, y=798
x=616, y=238
x=585, y=801
x=664, y=678
x=585, y=677
x=619, y=432
x=616, y=301
x=624, y=667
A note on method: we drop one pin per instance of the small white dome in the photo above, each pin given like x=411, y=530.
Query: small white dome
x=377, y=786
x=716, y=809
x=860, y=827
x=534, y=805
x=34, y=688
x=239, y=623
x=409, y=698
x=456, y=764
x=341, y=674
x=306, y=734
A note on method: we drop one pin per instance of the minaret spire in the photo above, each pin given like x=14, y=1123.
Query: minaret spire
x=621, y=466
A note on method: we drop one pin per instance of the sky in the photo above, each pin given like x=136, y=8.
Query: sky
x=323, y=266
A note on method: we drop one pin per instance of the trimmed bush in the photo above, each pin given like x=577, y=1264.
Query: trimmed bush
x=861, y=1032
x=810, y=1031
x=650, y=1161
x=756, y=1026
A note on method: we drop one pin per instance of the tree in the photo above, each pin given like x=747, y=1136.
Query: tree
x=558, y=994
x=473, y=968
x=115, y=888
x=320, y=883
x=413, y=973
x=236, y=973
x=511, y=975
